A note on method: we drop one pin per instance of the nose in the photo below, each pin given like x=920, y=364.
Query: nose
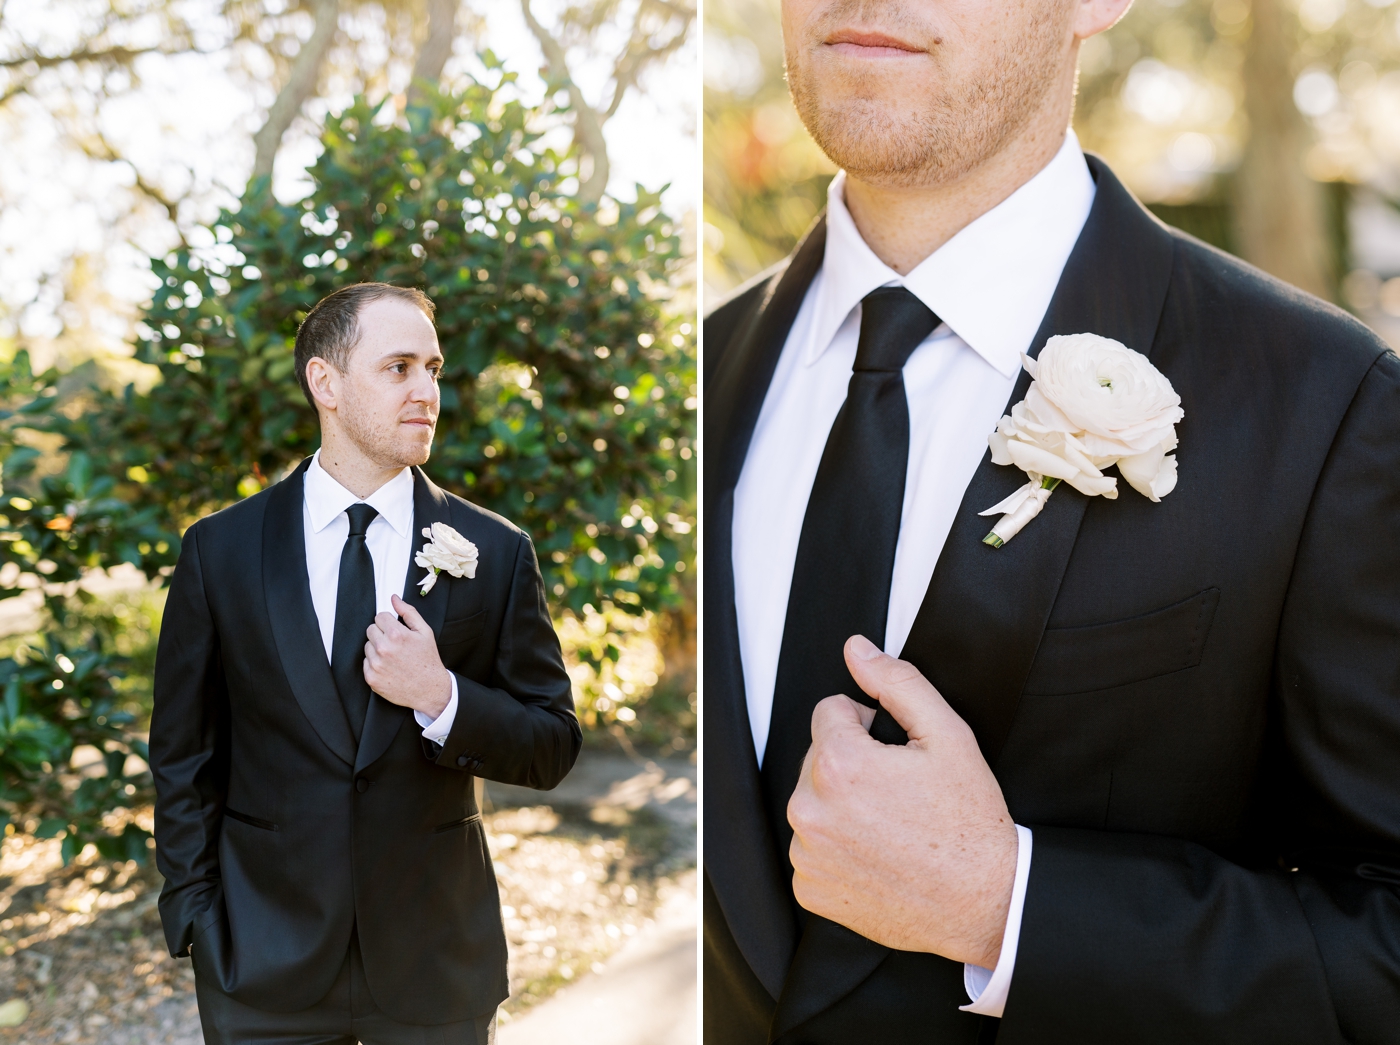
x=425, y=389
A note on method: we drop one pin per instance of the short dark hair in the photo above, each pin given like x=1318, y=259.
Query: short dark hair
x=332, y=328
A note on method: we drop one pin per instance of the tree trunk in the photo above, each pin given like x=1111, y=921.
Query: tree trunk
x=437, y=48
x=300, y=85
x=1279, y=210
x=588, y=125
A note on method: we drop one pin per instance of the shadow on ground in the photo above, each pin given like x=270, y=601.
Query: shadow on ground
x=599, y=866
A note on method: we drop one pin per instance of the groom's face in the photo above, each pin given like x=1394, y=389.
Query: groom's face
x=919, y=92
x=387, y=398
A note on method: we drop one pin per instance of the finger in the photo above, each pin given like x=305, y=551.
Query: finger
x=411, y=617
x=867, y=715
x=840, y=718
x=388, y=623
x=901, y=690
x=797, y=854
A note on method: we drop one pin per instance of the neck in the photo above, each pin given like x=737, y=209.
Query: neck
x=347, y=464
x=904, y=224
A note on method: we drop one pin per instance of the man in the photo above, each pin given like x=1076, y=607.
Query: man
x=321, y=713
x=1151, y=791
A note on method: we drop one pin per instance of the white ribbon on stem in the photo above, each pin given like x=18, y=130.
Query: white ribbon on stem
x=1020, y=508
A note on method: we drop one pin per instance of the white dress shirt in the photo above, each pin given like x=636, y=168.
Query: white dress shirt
x=990, y=285
x=390, y=542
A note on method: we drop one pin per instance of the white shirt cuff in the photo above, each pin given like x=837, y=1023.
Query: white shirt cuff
x=988, y=988
x=436, y=729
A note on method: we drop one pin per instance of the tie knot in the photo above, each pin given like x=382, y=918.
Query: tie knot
x=893, y=322
x=361, y=515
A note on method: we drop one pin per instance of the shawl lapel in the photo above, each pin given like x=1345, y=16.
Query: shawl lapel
x=985, y=610
x=981, y=621
x=383, y=720
x=740, y=857
x=293, y=617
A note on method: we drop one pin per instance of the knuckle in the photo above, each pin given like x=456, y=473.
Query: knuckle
x=797, y=818
x=830, y=763
x=904, y=675
x=805, y=894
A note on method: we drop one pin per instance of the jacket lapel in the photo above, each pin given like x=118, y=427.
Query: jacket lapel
x=383, y=720
x=985, y=610
x=740, y=857
x=982, y=618
x=293, y=617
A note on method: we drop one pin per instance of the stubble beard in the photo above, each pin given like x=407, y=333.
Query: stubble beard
x=379, y=445
x=954, y=127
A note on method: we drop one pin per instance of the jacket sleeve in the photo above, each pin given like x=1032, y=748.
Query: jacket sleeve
x=521, y=729
x=188, y=748
x=1142, y=939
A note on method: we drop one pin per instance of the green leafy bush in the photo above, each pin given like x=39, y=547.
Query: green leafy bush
x=568, y=404
x=568, y=386
x=56, y=698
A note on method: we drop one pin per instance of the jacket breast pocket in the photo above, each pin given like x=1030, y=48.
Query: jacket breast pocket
x=457, y=635
x=1102, y=656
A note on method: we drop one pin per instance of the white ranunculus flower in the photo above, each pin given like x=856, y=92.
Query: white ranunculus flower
x=446, y=550
x=1114, y=397
x=1094, y=403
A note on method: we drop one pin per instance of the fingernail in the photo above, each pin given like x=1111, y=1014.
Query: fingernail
x=862, y=648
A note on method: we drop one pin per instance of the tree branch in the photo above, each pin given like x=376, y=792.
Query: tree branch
x=113, y=55
x=639, y=53
x=97, y=147
x=588, y=126
x=437, y=48
x=300, y=85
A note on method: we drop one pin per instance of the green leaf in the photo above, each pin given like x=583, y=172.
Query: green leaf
x=51, y=828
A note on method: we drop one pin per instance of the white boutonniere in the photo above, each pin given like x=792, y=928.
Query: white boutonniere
x=446, y=550
x=1094, y=403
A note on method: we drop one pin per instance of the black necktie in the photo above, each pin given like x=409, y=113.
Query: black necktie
x=845, y=555
x=354, y=613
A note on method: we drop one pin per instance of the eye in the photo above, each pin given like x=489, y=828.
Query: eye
x=399, y=368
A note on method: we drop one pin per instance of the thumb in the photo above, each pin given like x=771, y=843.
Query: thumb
x=901, y=690
x=411, y=617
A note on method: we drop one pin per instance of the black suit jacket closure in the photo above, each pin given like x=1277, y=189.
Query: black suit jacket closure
x=1195, y=705
x=276, y=833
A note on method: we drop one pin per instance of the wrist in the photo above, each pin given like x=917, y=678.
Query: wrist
x=435, y=705
x=1001, y=885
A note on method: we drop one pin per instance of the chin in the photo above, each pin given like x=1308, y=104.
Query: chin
x=417, y=454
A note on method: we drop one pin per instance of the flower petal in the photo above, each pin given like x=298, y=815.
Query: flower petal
x=1095, y=486
x=1141, y=470
x=1030, y=458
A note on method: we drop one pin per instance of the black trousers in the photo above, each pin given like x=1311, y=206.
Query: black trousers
x=346, y=1015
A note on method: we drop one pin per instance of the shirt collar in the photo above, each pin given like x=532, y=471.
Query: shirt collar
x=326, y=498
x=991, y=283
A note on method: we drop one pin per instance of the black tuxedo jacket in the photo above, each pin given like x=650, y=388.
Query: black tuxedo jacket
x=1195, y=705
x=276, y=833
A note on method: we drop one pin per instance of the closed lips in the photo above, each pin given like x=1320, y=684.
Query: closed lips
x=871, y=45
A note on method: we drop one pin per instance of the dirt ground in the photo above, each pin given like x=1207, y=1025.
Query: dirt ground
x=82, y=947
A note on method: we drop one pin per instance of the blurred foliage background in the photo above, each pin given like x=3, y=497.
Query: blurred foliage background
x=181, y=180
x=1270, y=128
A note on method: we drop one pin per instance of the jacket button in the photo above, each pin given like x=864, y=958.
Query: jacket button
x=362, y=785
x=462, y=760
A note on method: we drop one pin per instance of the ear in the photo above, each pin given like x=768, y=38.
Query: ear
x=324, y=381
x=1094, y=16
